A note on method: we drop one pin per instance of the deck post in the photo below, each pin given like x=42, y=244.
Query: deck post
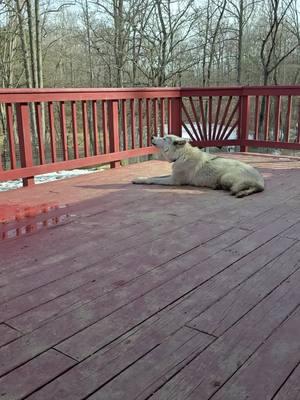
x=244, y=121
x=175, y=117
x=113, y=128
x=24, y=134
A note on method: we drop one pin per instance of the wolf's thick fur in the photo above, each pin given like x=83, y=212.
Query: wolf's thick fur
x=193, y=167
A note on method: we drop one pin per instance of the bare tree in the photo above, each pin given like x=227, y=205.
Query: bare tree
x=117, y=11
x=8, y=57
x=148, y=42
x=23, y=40
x=210, y=18
x=8, y=45
x=165, y=53
x=241, y=11
x=271, y=53
x=39, y=56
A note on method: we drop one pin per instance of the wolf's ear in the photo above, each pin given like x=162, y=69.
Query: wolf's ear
x=180, y=142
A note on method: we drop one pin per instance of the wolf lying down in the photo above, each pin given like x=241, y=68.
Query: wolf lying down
x=193, y=167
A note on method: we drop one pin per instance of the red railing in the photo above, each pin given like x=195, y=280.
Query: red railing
x=46, y=130
x=257, y=116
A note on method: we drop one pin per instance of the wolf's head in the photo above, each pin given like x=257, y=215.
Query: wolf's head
x=171, y=146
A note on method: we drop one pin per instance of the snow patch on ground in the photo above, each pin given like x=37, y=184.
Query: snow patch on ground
x=52, y=176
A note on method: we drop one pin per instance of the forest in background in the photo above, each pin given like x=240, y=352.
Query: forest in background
x=125, y=43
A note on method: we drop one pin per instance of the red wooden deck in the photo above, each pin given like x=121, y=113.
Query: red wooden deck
x=152, y=292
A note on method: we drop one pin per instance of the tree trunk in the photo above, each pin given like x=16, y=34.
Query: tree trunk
x=39, y=56
x=25, y=56
x=240, y=43
x=263, y=107
x=89, y=47
x=32, y=43
x=119, y=42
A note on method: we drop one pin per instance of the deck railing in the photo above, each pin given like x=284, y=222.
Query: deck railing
x=46, y=130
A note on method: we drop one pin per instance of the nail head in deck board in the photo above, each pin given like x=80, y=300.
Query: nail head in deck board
x=7, y=334
x=32, y=319
x=261, y=376
x=228, y=353
x=291, y=388
x=101, y=333
x=224, y=313
x=34, y=374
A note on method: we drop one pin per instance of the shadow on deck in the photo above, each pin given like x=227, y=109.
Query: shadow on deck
x=147, y=292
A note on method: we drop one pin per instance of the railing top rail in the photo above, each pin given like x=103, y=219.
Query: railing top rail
x=280, y=90
x=24, y=95
x=242, y=90
x=78, y=94
x=88, y=90
x=212, y=91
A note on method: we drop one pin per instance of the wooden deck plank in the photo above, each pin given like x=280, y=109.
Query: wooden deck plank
x=86, y=377
x=95, y=186
x=212, y=368
x=293, y=232
x=187, y=237
x=58, y=297
x=243, y=215
x=7, y=334
x=67, y=325
x=76, y=252
x=34, y=374
x=103, y=192
x=142, y=378
x=66, y=243
x=152, y=210
x=99, y=334
x=153, y=259
x=94, y=234
x=291, y=388
x=255, y=222
x=223, y=314
x=99, y=238
x=220, y=285
x=262, y=375
x=76, y=255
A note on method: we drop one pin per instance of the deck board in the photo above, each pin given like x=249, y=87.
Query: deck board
x=34, y=374
x=153, y=292
x=213, y=367
x=290, y=389
x=155, y=367
x=224, y=313
x=271, y=364
x=60, y=296
x=7, y=334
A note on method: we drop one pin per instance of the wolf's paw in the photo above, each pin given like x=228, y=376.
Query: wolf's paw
x=140, y=180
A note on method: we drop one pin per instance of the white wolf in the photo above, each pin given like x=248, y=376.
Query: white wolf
x=193, y=167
